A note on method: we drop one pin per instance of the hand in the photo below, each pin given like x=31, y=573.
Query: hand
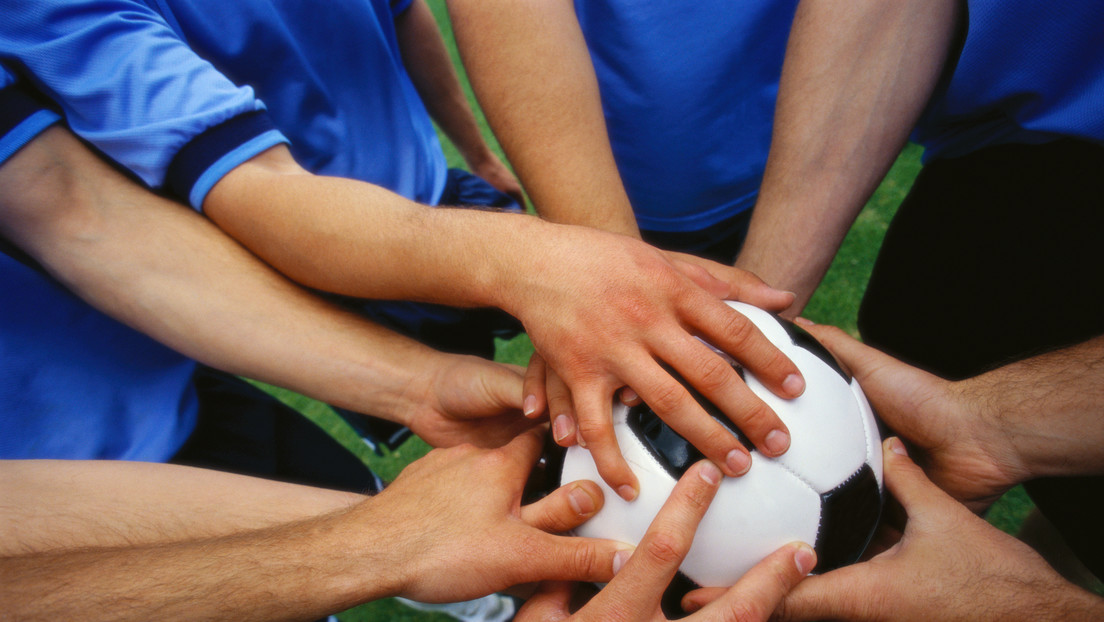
x=493, y=171
x=611, y=311
x=466, y=399
x=455, y=528
x=635, y=593
x=950, y=565
x=964, y=452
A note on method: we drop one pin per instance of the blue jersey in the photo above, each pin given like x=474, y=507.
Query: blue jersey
x=182, y=91
x=1028, y=72
x=73, y=382
x=688, y=90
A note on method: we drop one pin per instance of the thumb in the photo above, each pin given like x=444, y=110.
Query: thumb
x=550, y=603
x=572, y=558
x=895, y=389
x=907, y=481
x=503, y=385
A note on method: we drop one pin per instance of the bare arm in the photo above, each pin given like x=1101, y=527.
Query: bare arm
x=163, y=269
x=50, y=505
x=856, y=77
x=427, y=61
x=530, y=67
x=603, y=309
x=207, y=546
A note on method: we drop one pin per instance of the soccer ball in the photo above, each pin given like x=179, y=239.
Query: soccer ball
x=826, y=490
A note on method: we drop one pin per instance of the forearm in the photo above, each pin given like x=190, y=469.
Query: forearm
x=856, y=77
x=297, y=571
x=1049, y=409
x=529, y=66
x=354, y=238
x=430, y=68
x=166, y=271
x=52, y=505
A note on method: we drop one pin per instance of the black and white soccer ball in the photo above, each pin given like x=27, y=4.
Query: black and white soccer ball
x=826, y=490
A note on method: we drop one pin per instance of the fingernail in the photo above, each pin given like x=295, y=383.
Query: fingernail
x=793, y=384
x=629, y=396
x=690, y=606
x=738, y=462
x=626, y=492
x=529, y=406
x=581, y=502
x=896, y=446
x=804, y=558
x=710, y=473
x=620, y=558
x=777, y=442
x=561, y=428
x=804, y=321
x=580, y=440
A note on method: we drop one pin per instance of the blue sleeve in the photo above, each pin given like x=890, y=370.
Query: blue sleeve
x=398, y=6
x=130, y=85
x=22, y=117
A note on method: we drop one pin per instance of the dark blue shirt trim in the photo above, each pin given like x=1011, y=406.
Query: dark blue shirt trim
x=205, y=150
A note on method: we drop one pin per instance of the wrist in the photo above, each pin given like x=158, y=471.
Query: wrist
x=366, y=550
x=992, y=430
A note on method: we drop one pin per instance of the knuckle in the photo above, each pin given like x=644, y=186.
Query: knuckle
x=738, y=329
x=757, y=416
x=746, y=610
x=667, y=548
x=713, y=373
x=585, y=560
x=593, y=430
x=667, y=397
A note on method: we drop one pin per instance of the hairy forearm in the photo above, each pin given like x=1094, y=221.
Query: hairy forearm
x=166, y=271
x=52, y=505
x=530, y=68
x=1049, y=409
x=856, y=77
x=136, y=541
x=297, y=571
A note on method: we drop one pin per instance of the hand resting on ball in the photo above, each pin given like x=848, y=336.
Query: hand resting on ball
x=635, y=594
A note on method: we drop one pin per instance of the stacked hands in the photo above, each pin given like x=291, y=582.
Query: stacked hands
x=938, y=552
x=645, y=318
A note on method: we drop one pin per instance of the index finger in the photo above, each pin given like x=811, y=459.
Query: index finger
x=639, y=586
x=732, y=332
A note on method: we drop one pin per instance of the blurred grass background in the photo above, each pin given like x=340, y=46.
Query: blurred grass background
x=835, y=302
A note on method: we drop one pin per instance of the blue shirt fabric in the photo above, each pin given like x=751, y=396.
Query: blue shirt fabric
x=688, y=90
x=178, y=85
x=180, y=92
x=1028, y=72
x=137, y=404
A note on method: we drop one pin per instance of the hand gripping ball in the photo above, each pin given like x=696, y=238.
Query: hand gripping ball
x=826, y=490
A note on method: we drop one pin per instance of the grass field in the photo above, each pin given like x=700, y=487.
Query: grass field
x=835, y=302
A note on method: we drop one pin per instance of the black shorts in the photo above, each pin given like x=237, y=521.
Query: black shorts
x=244, y=430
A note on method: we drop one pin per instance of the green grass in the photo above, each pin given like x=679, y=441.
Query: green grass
x=835, y=302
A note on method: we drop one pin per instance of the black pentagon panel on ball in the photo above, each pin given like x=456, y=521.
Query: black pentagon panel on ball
x=671, y=603
x=546, y=473
x=849, y=512
x=803, y=339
